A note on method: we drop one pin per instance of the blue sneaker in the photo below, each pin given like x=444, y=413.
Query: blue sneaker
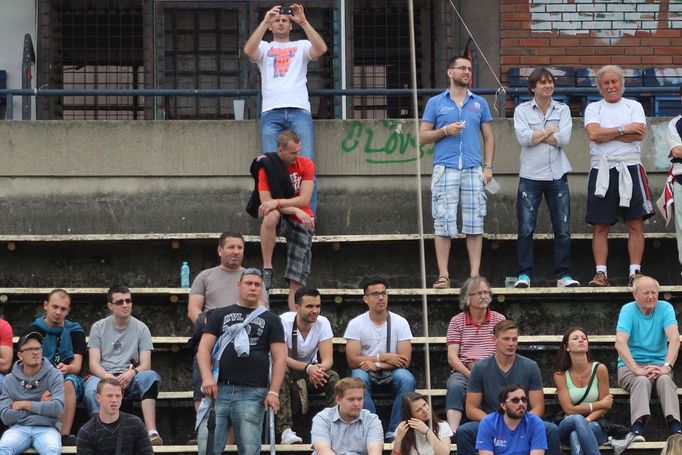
x=523, y=281
x=567, y=282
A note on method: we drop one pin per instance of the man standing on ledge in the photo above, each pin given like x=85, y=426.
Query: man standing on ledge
x=618, y=185
x=453, y=120
x=283, y=65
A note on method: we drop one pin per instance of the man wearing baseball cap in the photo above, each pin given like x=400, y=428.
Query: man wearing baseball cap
x=32, y=400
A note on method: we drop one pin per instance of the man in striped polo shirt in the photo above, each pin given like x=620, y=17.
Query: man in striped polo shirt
x=470, y=339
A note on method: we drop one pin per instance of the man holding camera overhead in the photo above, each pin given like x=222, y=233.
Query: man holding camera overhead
x=283, y=65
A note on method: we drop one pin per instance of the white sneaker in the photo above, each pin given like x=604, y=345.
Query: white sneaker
x=290, y=437
x=567, y=282
x=523, y=281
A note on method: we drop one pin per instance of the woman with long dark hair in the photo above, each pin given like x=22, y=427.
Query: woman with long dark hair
x=583, y=398
x=414, y=436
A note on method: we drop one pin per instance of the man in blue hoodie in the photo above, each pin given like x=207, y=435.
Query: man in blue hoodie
x=63, y=345
x=31, y=402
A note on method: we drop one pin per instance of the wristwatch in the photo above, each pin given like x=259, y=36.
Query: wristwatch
x=621, y=130
x=669, y=365
x=488, y=166
x=378, y=365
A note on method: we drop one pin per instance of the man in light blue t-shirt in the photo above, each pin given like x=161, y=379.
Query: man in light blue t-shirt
x=453, y=121
x=647, y=341
x=512, y=430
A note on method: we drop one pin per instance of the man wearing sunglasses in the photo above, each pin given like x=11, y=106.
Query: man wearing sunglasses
x=32, y=401
x=512, y=429
x=64, y=346
x=120, y=347
x=493, y=373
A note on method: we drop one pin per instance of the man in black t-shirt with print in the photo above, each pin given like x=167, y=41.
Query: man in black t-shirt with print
x=241, y=390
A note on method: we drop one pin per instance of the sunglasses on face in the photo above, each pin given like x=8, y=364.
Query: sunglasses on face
x=120, y=302
x=517, y=400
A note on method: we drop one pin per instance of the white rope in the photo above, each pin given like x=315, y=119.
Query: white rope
x=501, y=90
x=420, y=221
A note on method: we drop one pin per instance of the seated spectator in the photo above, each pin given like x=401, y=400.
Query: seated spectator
x=6, y=349
x=414, y=435
x=673, y=446
x=63, y=345
x=121, y=347
x=379, y=350
x=309, y=360
x=583, y=390
x=512, y=429
x=493, y=373
x=32, y=401
x=647, y=341
x=102, y=433
x=285, y=184
x=347, y=428
x=470, y=339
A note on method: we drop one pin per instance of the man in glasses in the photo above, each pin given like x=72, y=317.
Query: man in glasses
x=512, y=429
x=32, y=401
x=235, y=374
x=453, y=120
x=493, y=373
x=121, y=347
x=379, y=350
x=63, y=345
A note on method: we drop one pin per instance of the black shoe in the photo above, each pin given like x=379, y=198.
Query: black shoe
x=674, y=427
x=68, y=440
x=267, y=279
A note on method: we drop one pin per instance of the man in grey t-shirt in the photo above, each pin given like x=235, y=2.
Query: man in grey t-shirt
x=120, y=347
x=490, y=375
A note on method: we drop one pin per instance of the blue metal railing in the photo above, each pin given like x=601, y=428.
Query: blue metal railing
x=502, y=95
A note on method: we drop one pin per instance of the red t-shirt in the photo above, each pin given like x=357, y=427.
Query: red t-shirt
x=6, y=334
x=302, y=170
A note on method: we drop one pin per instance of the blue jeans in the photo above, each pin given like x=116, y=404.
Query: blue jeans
x=456, y=390
x=141, y=383
x=583, y=438
x=17, y=438
x=300, y=121
x=241, y=407
x=466, y=439
x=528, y=201
x=403, y=383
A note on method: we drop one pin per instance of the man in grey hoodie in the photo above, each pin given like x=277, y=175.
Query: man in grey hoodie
x=31, y=402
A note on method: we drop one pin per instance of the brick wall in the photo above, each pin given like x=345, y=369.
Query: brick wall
x=591, y=33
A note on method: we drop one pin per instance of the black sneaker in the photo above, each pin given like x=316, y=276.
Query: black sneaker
x=267, y=279
x=70, y=440
x=637, y=429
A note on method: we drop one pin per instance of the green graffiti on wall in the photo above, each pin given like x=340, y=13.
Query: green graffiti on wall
x=387, y=145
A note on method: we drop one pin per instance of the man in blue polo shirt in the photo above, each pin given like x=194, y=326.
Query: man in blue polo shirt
x=453, y=120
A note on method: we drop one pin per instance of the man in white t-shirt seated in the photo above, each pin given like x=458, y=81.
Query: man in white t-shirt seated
x=283, y=66
x=309, y=359
x=379, y=350
x=618, y=185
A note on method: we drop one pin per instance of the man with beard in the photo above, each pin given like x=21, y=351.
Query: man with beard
x=511, y=430
x=493, y=373
x=452, y=121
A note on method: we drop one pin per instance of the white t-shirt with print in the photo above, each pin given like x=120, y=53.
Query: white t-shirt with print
x=372, y=337
x=307, y=347
x=283, y=72
x=423, y=445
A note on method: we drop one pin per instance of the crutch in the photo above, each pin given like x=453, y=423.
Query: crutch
x=271, y=417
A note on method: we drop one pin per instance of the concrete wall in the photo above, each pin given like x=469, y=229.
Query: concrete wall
x=18, y=18
x=60, y=177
